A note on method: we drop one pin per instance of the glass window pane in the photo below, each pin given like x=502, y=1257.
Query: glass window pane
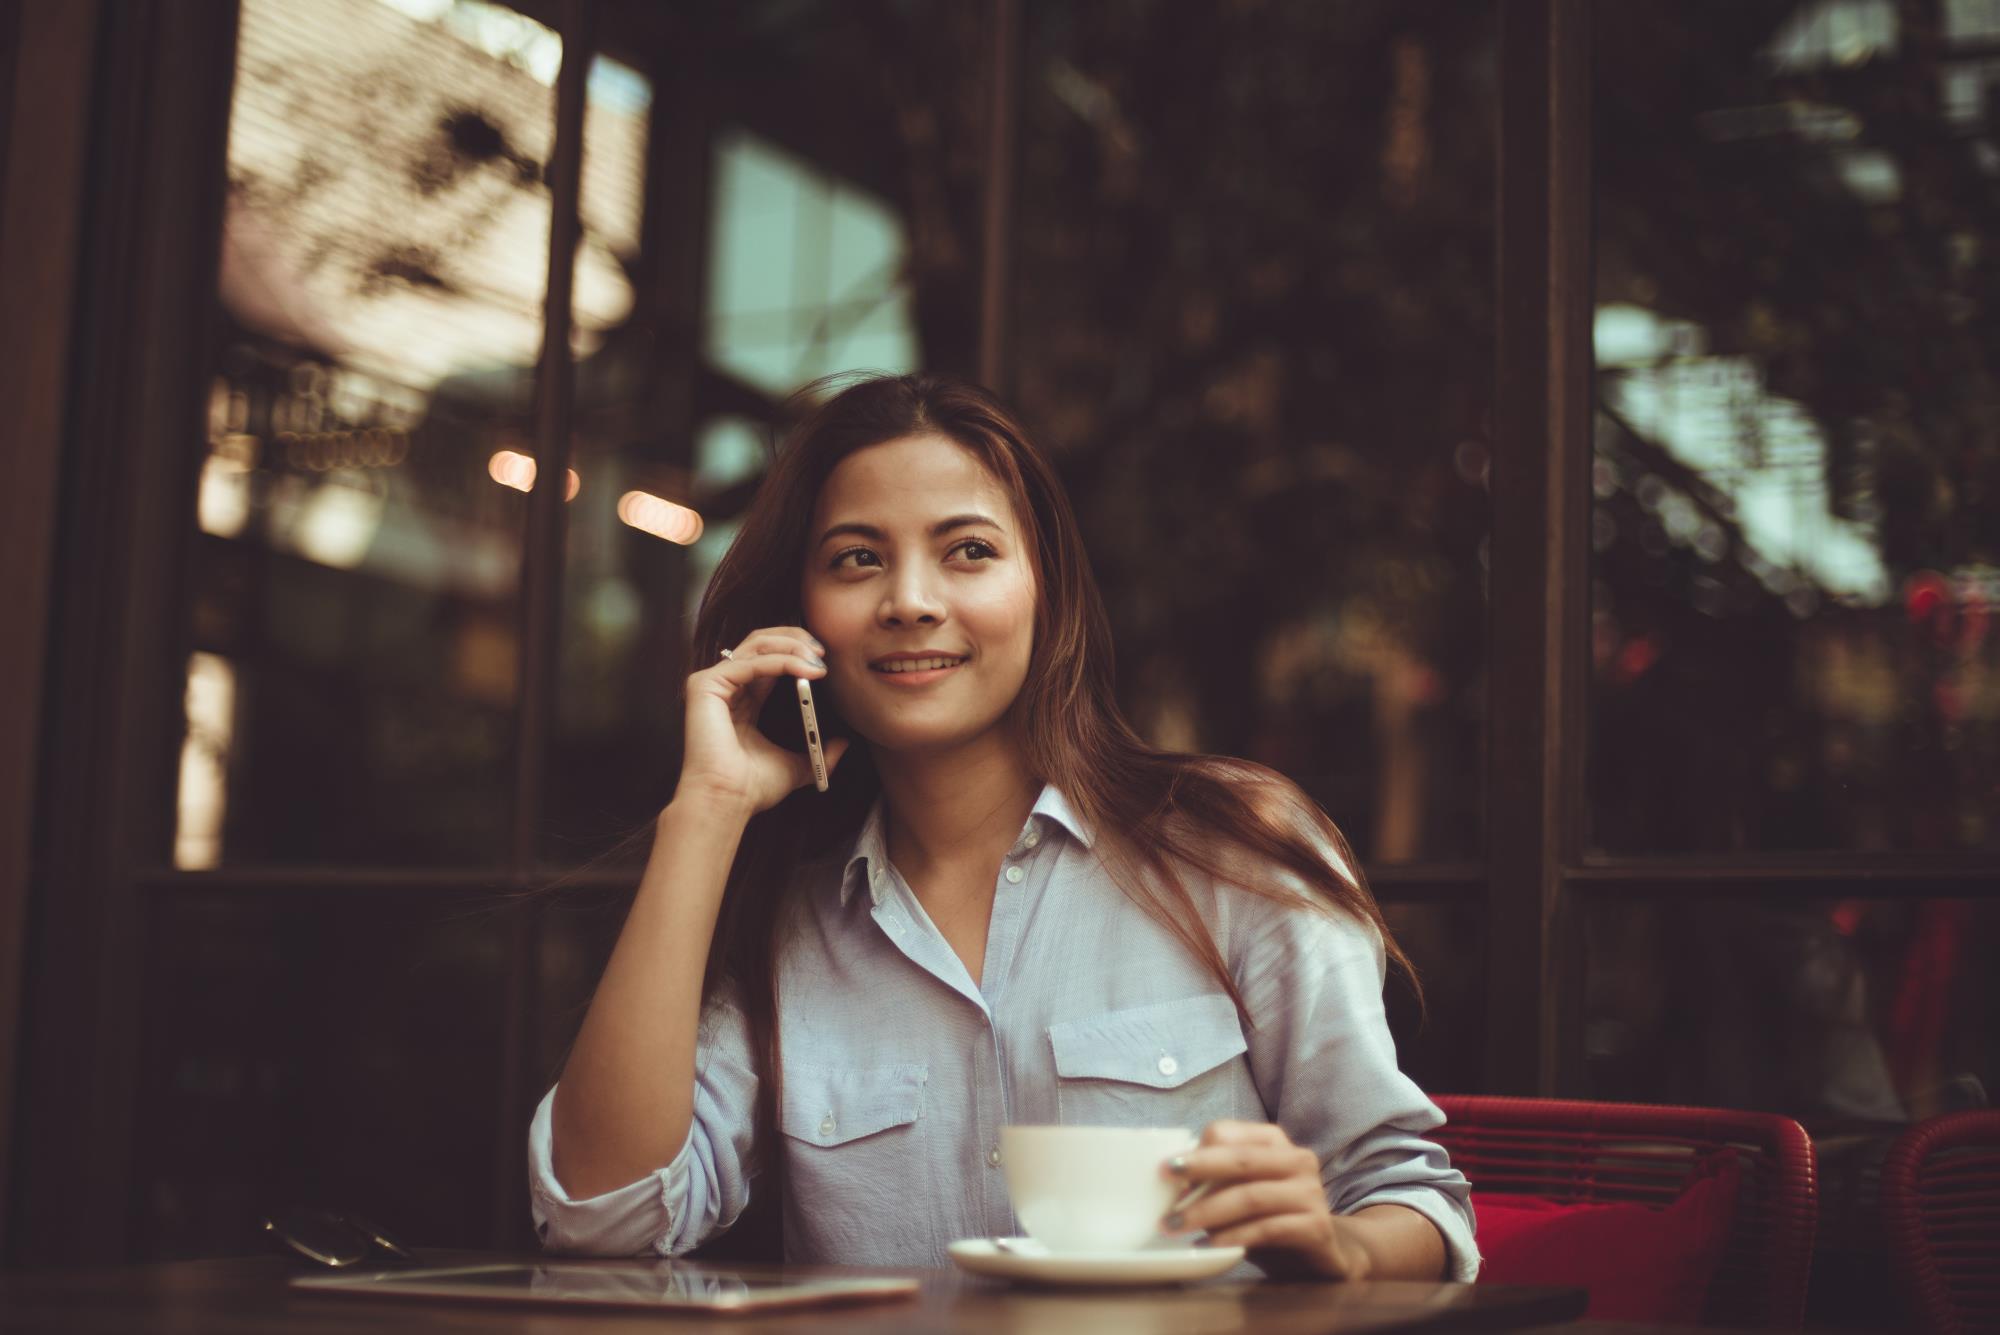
x=1440, y=1044
x=1828, y=1011
x=807, y=272
x=811, y=217
x=1253, y=317
x=351, y=695
x=338, y=1050
x=1796, y=534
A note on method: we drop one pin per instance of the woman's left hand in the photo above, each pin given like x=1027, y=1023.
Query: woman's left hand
x=1266, y=1197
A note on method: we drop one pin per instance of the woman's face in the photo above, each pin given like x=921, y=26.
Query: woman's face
x=918, y=583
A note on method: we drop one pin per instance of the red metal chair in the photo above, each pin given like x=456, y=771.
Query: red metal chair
x=1593, y=1153
x=1941, y=1216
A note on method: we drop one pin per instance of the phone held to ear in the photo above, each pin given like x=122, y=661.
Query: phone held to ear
x=813, y=747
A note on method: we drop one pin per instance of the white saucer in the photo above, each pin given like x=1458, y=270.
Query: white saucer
x=1034, y=1262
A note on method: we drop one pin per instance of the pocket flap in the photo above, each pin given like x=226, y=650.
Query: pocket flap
x=1162, y=1045
x=829, y=1105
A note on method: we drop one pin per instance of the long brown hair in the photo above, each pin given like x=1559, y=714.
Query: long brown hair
x=1152, y=812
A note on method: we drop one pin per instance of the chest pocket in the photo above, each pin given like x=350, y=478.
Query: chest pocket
x=855, y=1147
x=1174, y=1063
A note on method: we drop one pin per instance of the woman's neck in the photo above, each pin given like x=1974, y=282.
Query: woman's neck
x=943, y=809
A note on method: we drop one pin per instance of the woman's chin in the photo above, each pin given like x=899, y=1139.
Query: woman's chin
x=913, y=745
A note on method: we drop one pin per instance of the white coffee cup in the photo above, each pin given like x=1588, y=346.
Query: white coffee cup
x=1091, y=1188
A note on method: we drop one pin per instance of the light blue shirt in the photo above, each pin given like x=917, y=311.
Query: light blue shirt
x=900, y=1068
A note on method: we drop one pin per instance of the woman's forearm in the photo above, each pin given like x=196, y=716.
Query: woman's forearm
x=626, y=1099
x=1400, y=1243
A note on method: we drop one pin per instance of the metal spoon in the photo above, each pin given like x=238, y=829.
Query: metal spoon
x=1191, y=1195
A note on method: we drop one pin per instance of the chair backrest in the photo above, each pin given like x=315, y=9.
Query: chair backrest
x=1941, y=1217
x=1580, y=1153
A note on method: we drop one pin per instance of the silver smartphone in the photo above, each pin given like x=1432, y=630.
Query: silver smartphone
x=813, y=748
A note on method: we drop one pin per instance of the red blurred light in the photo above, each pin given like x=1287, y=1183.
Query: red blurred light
x=1923, y=594
x=1636, y=658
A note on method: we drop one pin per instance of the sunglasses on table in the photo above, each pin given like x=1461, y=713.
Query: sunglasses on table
x=335, y=1238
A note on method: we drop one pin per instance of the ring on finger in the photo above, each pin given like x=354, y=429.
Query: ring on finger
x=729, y=653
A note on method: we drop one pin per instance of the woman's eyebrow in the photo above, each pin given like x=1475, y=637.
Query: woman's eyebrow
x=944, y=526
x=938, y=530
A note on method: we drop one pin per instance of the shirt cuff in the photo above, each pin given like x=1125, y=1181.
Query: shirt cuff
x=632, y=1220
x=1453, y=1223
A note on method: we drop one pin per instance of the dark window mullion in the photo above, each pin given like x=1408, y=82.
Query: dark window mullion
x=1786, y=883
x=1399, y=882
x=1572, y=399
x=144, y=309
x=1537, y=604
x=1003, y=113
x=541, y=603
x=542, y=554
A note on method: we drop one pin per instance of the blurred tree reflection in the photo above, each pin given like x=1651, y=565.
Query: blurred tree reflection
x=1253, y=318
x=1798, y=475
x=1798, y=508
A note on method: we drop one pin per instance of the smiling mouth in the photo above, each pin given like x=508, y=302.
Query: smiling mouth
x=916, y=665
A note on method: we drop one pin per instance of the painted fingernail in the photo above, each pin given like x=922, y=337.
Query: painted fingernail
x=1174, y=1222
x=817, y=662
x=1177, y=1164
x=1203, y=1241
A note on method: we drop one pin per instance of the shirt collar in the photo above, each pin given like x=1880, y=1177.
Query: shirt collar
x=1054, y=807
x=870, y=853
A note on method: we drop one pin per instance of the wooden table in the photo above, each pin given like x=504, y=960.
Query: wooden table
x=251, y=1295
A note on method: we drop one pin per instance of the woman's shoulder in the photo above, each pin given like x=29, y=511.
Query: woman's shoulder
x=1268, y=827
x=1285, y=875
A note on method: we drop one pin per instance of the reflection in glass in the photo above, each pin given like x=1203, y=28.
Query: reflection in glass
x=664, y=1280
x=820, y=218
x=1849, y=1010
x=1253, y=316
x=1796, y=532
x=1439, y=1044
x=358, y=549
x=808, y=274
x=204, y=774
x=299, y=1046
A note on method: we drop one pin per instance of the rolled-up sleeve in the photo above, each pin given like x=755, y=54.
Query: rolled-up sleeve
x=1325, y=1066
x=674, y=1209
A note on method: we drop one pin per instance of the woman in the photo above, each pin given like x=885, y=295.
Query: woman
x=1006, y=909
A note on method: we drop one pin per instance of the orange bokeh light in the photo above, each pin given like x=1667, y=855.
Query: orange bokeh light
x=510, y=468
x=660, y=517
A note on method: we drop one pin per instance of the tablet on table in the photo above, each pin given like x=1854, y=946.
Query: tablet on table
x=653, y=1285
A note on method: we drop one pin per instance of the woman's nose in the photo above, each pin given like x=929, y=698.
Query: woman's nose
x=911, y=601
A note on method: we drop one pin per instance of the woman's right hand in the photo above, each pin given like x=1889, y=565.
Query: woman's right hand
x=726, y=756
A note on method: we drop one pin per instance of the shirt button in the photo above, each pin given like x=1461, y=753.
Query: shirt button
x=1034, y=837
x=993, y=1158
x=826, y=1125
x=1014, y=875
x=1168, y=1066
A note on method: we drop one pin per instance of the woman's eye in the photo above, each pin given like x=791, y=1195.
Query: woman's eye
x=860, y=556
x=977, y=550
